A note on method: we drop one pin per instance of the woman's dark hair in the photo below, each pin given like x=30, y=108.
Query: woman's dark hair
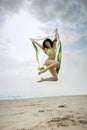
x=47, y=40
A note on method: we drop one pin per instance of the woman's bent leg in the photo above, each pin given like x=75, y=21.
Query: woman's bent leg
x=53, y=78
x=50, y=64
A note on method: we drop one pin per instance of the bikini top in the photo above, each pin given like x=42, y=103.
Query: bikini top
x=49, y=51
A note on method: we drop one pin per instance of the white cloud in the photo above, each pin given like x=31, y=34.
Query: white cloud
x=9, y=7
x=66, y=11
x=17, y=31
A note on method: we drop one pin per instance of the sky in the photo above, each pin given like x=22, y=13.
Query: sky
x=23, y=19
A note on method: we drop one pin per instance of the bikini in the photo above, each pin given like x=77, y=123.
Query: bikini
x=49, y=51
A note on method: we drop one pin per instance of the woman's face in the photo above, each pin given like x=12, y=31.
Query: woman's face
x=47, y=44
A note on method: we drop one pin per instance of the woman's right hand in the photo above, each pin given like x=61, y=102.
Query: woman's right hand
x=38, y=44
x=32, y=39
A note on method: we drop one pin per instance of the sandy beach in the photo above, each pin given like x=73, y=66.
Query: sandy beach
x=50, y=113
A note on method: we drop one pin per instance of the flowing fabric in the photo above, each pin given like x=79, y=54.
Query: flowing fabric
x=41, y=56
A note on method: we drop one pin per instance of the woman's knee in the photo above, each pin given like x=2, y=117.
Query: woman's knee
x=55, y=78
x=56, y=63
x=46, y=62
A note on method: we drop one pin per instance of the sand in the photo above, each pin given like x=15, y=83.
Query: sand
x=50, y=113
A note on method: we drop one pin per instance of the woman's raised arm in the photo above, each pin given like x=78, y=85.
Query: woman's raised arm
x=56, y=38
x=36, y=43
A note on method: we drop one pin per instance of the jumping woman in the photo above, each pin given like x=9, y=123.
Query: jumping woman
x=49, y=48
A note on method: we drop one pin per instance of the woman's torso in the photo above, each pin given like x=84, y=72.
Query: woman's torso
x=51, y=52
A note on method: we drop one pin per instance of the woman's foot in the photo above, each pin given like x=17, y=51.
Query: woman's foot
x=42, y=71
x=40, y=80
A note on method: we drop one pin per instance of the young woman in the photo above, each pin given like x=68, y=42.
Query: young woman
x=49, y=47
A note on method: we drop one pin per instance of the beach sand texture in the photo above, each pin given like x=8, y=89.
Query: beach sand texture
x=50, y=113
